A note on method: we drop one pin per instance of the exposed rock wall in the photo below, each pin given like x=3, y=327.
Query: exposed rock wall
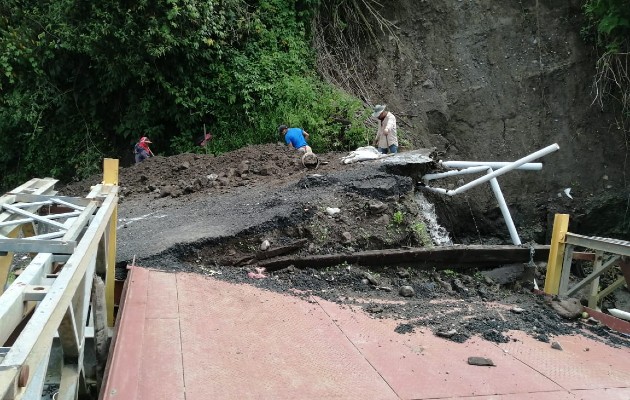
x=497, y=80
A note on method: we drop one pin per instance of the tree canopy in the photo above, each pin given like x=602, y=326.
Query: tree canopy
x=83, y=80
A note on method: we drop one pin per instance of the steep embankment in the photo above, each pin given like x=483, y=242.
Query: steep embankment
x=496, y=81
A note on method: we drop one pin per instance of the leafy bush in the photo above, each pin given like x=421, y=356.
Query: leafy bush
x=83, y=80
x=609, y=21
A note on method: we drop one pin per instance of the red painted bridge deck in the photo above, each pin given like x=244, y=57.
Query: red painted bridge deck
x=187, y=336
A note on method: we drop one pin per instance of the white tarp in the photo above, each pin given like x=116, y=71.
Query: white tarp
x=362, y=154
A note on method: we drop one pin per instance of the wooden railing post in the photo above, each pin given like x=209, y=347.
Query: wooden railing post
x=556, y=253
x=110, y=177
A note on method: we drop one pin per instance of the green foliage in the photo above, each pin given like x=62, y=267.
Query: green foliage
x=82, y=80
x=398, y=217
x=449, y=273
x=609, y=21
x=422, y=234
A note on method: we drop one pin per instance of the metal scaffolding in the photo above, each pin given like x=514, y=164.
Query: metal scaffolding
x=58, y=300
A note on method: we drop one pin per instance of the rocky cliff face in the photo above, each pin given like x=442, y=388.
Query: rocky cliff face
x=490, y=80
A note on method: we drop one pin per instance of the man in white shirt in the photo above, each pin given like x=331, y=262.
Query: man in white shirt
x=386, y=139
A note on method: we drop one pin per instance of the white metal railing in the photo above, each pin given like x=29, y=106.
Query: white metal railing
x=51, y=298
x=608, y=253
x=472, y=167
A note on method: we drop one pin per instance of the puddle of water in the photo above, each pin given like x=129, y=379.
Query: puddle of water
x=438, y=233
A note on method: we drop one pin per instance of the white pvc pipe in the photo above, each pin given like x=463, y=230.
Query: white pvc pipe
x=503, y=170
x=435, y=190
x=491, y=164
x=471, y=170
x=494, y=183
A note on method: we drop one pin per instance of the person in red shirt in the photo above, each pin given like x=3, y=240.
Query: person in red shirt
x=141, y=150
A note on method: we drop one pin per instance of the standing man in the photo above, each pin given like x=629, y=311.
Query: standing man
x=296, y=138
x=141, y=150
x=386, y=139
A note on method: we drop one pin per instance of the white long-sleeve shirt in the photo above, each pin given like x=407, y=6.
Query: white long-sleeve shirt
x=386, y=135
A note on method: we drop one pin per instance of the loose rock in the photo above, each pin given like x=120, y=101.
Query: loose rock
x=556, y=345
x=406, y=291
x=481, y=361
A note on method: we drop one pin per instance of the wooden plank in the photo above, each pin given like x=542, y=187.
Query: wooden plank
x=277, y=251
x=556, y=253
x=436, y=256
x=110, y=171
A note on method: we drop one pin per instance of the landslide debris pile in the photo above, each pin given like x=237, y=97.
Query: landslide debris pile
x=334, y=209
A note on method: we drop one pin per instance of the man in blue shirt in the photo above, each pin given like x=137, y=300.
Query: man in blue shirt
x=295, y=138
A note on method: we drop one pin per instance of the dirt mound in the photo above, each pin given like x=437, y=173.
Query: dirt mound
x=187, y=174
x=219, y=214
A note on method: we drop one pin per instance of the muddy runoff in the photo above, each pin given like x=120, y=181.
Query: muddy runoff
x=229, y=232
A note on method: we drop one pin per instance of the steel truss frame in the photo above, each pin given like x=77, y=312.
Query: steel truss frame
x=59, y=295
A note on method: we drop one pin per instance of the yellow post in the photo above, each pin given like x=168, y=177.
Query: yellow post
x=556, y=253
x=110, y=177
x=110, y=171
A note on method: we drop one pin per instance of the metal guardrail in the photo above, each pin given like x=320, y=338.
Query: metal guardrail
x=608, y=253
x=59, y=297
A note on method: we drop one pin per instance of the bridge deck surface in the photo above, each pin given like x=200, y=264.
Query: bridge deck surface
x=186, y=336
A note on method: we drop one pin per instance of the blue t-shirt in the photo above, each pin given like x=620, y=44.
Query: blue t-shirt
x=295, y=137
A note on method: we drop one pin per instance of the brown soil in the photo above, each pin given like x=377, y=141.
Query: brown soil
x=217, y=214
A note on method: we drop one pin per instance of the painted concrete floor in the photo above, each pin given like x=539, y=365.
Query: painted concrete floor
x=187, y=336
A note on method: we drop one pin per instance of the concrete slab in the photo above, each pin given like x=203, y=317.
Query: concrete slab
x=608, y=394
x=186, y=336
x=243, y=343
x=556, y=395
x=407, y=362
x=162, y=295
x=162, y=373
x=126, y=356
x=582, y=364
